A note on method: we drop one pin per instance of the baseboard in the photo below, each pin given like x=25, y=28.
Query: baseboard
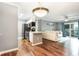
x=50, y=40
x=6, y=51
x=37, y=43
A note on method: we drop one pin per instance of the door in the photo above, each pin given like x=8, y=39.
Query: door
x=71, y=29
x=8, y=27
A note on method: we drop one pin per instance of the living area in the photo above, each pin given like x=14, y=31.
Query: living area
x=39, y=29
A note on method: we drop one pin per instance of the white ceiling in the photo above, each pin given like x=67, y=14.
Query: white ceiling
x=57, y=10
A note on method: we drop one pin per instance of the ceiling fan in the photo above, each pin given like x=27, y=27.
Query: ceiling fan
x=69, y=17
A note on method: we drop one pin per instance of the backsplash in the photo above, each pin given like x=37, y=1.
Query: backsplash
x=44, y=25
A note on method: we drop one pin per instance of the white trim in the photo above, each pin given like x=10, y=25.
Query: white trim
x=37, y=43
x=19, y=38
x=6, y=51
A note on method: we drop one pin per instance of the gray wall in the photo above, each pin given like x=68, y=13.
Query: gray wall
x=58, y=26
x=8, y=27
x=44, y=25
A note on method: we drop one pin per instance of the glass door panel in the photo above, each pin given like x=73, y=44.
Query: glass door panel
x=71, y=29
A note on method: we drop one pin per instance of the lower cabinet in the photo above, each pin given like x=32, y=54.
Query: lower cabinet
x=35, y=38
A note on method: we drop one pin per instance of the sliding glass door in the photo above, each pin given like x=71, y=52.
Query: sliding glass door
x=71, y=29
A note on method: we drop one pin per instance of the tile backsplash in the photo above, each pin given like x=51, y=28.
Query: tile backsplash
x=44, y=25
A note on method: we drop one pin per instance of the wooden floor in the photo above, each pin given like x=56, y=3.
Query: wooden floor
x=11, y=53
x=48, y=48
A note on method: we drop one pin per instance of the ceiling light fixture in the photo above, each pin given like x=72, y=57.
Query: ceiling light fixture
x=40, y=11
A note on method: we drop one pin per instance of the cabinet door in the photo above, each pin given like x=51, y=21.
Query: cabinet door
x=37, y=38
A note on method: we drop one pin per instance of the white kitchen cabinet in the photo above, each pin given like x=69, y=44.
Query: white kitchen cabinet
x=50, y=35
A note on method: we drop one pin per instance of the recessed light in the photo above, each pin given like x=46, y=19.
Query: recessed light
x=66, y=20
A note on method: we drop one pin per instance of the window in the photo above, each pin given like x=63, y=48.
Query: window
x=71, y=29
